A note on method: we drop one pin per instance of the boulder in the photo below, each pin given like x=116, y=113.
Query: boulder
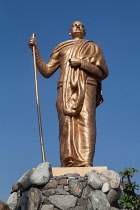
x=30, y=200
x=49, y=192
x=75, y=187
x=41, y=174
x=34, y=199
x=60, y=190
x=24, y=182
x=36, y=176
x=111, y=177
x=22, y=200
x=86, y=192
x=3, y=206
x=112, y=196
x=98, y=200
x=12, y=201
x=63, y=201
x=93, y=180
x=52, y=184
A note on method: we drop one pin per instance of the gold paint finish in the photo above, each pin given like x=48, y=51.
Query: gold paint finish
x=83, y=67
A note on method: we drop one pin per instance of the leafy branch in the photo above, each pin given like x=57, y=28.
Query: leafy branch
x=129, y=199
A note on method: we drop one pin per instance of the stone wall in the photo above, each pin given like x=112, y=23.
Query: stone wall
x=37, y=189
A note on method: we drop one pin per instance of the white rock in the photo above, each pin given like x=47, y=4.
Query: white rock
x=111, y=177
x=12, y=201
x=41, y=174
x=105, y=187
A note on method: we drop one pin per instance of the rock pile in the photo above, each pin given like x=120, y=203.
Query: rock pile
x=37, y=189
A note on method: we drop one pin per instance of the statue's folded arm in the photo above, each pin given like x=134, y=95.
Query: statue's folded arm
x=91, y=68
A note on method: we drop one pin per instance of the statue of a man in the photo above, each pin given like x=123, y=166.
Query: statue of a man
x=79, y=93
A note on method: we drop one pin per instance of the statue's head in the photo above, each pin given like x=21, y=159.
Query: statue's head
x=77, y=29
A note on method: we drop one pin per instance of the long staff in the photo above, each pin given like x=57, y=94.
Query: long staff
x=38, y=105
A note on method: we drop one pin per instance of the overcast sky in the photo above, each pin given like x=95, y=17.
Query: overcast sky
x=115, y=26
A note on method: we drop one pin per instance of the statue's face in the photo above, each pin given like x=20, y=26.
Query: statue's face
x=77, y=29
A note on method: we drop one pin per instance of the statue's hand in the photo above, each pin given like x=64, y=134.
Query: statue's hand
x=32, y=42
x=75, y=62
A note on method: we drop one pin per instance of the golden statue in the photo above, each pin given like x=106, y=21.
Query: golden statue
x=83, y=67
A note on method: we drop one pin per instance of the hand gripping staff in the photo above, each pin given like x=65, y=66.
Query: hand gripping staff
x=38, y=105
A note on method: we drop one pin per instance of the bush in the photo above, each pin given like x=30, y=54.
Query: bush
x=129, y=199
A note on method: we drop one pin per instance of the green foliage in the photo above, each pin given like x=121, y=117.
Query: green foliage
x=129, y=200
x=128, y=172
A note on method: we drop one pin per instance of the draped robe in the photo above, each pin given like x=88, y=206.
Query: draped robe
x=79, y=93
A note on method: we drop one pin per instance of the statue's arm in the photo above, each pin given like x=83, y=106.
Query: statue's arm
x=47, y=70
x=91, y=68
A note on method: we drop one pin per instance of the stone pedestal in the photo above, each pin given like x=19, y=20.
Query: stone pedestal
x=57, y=171
x=46, y=188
